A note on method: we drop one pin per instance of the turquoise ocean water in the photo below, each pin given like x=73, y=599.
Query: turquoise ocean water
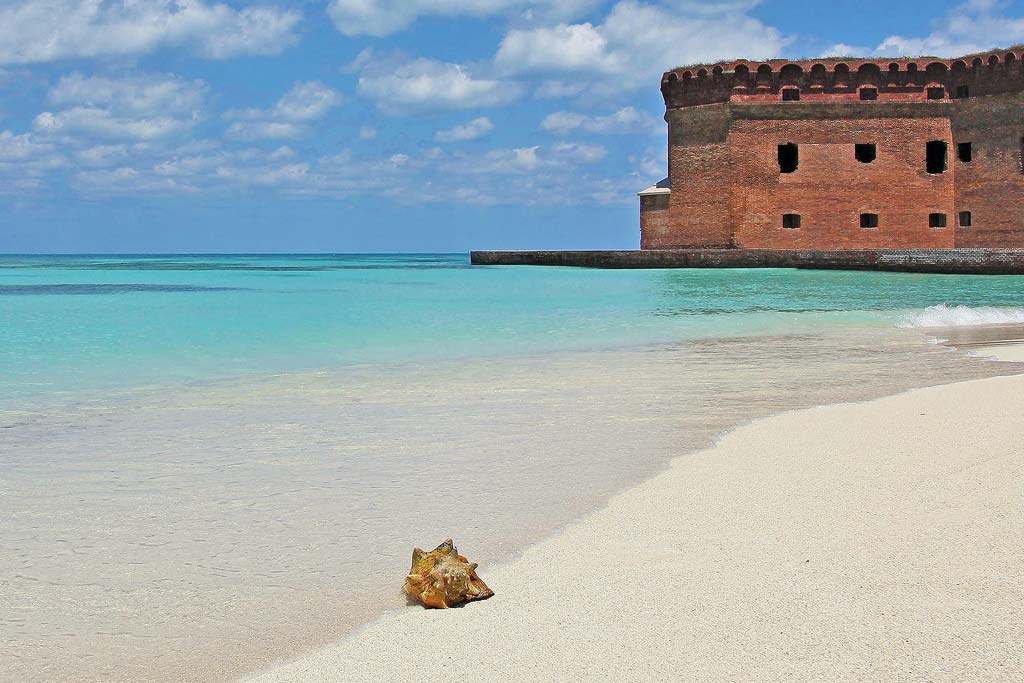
x=71, y=323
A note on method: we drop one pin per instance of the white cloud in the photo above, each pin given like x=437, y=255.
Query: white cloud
x=522, y=175
x=556, y=89
x=471, y=130
x=100, y=123
x=560, y=48
x=844, y=50
x=625, y=120
x=635, y=43
x=305, y=102
x=137, y=94
x=137, y=107
x=24, y=162
x=103, y=155
x=383, y=17
x=20, y=147
x=127, y=180
x=367, y=132
x=33, y=31
x=576, y=152
x=257, y=130
x=431, y=84
x=974, y=26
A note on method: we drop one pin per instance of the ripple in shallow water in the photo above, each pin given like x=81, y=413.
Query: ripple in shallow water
x=75, y=289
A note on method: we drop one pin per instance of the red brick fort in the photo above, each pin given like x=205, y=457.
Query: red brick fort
x=838, y=154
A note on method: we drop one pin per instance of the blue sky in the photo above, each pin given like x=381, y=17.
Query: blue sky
x=360, y=126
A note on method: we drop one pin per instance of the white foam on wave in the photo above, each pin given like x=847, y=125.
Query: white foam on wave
x=962, y=316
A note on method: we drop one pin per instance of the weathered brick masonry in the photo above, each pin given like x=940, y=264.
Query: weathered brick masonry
x=728, y=185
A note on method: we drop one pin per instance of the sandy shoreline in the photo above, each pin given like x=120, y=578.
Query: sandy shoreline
x=875, y=541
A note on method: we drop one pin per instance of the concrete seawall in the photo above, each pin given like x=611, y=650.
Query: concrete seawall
x=961, y=261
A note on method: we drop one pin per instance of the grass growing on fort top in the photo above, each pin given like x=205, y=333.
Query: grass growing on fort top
x=1017, y=46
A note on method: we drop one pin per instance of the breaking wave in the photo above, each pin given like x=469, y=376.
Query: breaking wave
x=962, y=316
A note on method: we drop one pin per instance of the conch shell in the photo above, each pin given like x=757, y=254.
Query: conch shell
x=443, y=578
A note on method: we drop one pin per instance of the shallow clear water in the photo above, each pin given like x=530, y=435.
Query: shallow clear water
x=82, y=322
x=207, y=463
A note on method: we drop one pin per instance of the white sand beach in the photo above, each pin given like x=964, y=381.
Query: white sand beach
x=880, y=541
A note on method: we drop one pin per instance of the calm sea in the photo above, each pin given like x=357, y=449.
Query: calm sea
x=211, y=462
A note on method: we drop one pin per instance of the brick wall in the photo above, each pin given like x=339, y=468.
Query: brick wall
x=991, y=185
x=698, y=161
x=831, y=189
x=655, y=228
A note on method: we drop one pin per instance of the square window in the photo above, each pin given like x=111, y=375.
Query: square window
x=964, y=152
x=935, y=157
x=869, y=220
x=937, y=93
x=965, y=219
x=791, y=221
x=865, y=152
x=963, y=91
x=789, y=157
x=790, y=95
x=936, y=220
x=869, y=93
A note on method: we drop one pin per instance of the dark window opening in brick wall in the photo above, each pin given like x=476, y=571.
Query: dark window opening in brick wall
x=865, y=153
x=963, y=91
x=869, y=93
x=964, y=151
x=789, y=157
x=790, y=94
x=791, y=221
x=937, y=93
x=936, y=220
x=965, y=219
x=869, y=220
x=935, y=156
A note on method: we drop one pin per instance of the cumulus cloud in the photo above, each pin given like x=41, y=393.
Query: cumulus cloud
x=553, y=89
x=257, y=130
x=518, y=175
x=24, y=161
x=576, y=152
x=305, y=102
x=974, y=26
x=103, y=155
x=625, y=120
x=137, y=106
x=139, y=94
x=20, y=147
x=471, y=130
x=383, y=17
x=93, y=122
x=432, y=84
x=33, y=32
x=635, y=43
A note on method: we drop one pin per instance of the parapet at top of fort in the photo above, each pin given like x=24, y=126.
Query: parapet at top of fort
x=840, y=78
